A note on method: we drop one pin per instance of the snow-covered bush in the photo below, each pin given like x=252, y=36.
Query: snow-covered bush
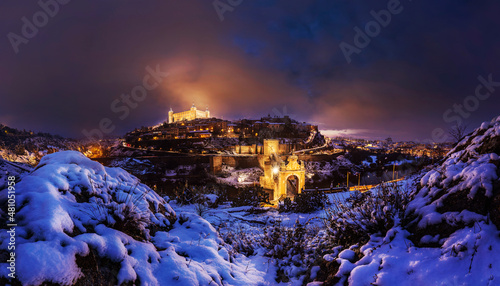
x=241, y=241
x=209, y=196
x=74, y=227
x=461, y=192
x=186, y=195
x=351, y=224
x=293, y=249
x=447, y=234
x=124, y=212
x=364, y=214
x=286, y=205
x=250, y=196
x=284, y=241
x=305, y=202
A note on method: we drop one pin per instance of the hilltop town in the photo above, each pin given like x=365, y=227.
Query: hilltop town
x=194, y=131
x=196, y=148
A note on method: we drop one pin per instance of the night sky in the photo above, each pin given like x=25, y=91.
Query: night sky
x=256, y=58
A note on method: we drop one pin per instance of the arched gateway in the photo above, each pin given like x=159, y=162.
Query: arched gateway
x=292, y=186
x=291, y=179
x=284, y=179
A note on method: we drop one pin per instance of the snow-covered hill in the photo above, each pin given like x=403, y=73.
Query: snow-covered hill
x=463, y=191
x=28, y=147
x=449, y=233
x=81, y=223
x=17, y=170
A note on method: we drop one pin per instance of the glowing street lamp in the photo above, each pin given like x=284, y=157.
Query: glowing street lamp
x=275, y=170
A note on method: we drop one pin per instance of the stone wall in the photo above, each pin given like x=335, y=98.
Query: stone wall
x=216, y=162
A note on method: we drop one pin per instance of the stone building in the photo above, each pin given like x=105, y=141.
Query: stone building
x=283, y=179
x=188, y=115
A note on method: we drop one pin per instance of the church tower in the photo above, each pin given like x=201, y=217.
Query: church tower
x=171, y=116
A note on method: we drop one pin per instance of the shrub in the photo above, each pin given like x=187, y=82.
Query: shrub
x=289, y=246
x=282, y=241
x=287, y=205
x=221, y=198
x=240, y=241
x=201, y=209
x=123, y=214
x=186, y=195
x=305, y=202
x=251, y=196
x=364, y=214
x=350, y=224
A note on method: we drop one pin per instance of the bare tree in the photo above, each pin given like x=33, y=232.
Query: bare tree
x=458, y=132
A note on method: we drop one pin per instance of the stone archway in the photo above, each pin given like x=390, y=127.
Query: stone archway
x=292, y=186
x=291, y=179
x=285, y=179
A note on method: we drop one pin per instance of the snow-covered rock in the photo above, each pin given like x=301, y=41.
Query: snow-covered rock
x=463, y=190
x=449, y=232
x=79, y=222
x=8, y=169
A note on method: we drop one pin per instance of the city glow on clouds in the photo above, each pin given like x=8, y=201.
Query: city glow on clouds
x=263, y=56
x=344, y=132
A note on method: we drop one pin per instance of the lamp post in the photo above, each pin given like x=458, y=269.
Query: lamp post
x=393, y=170
x=348, y=180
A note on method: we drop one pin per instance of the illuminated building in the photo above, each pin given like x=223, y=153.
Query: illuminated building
x=188, y=115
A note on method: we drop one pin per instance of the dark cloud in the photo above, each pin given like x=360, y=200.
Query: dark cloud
x=265, y=55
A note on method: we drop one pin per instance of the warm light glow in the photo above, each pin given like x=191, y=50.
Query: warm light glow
x=276, y=169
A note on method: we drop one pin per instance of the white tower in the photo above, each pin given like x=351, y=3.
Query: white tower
x=171, y=116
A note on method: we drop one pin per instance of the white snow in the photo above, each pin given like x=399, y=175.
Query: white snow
x=70, y=205
x=463, y=170
x=397, y=262
x=239, y=177
x=467, y=256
